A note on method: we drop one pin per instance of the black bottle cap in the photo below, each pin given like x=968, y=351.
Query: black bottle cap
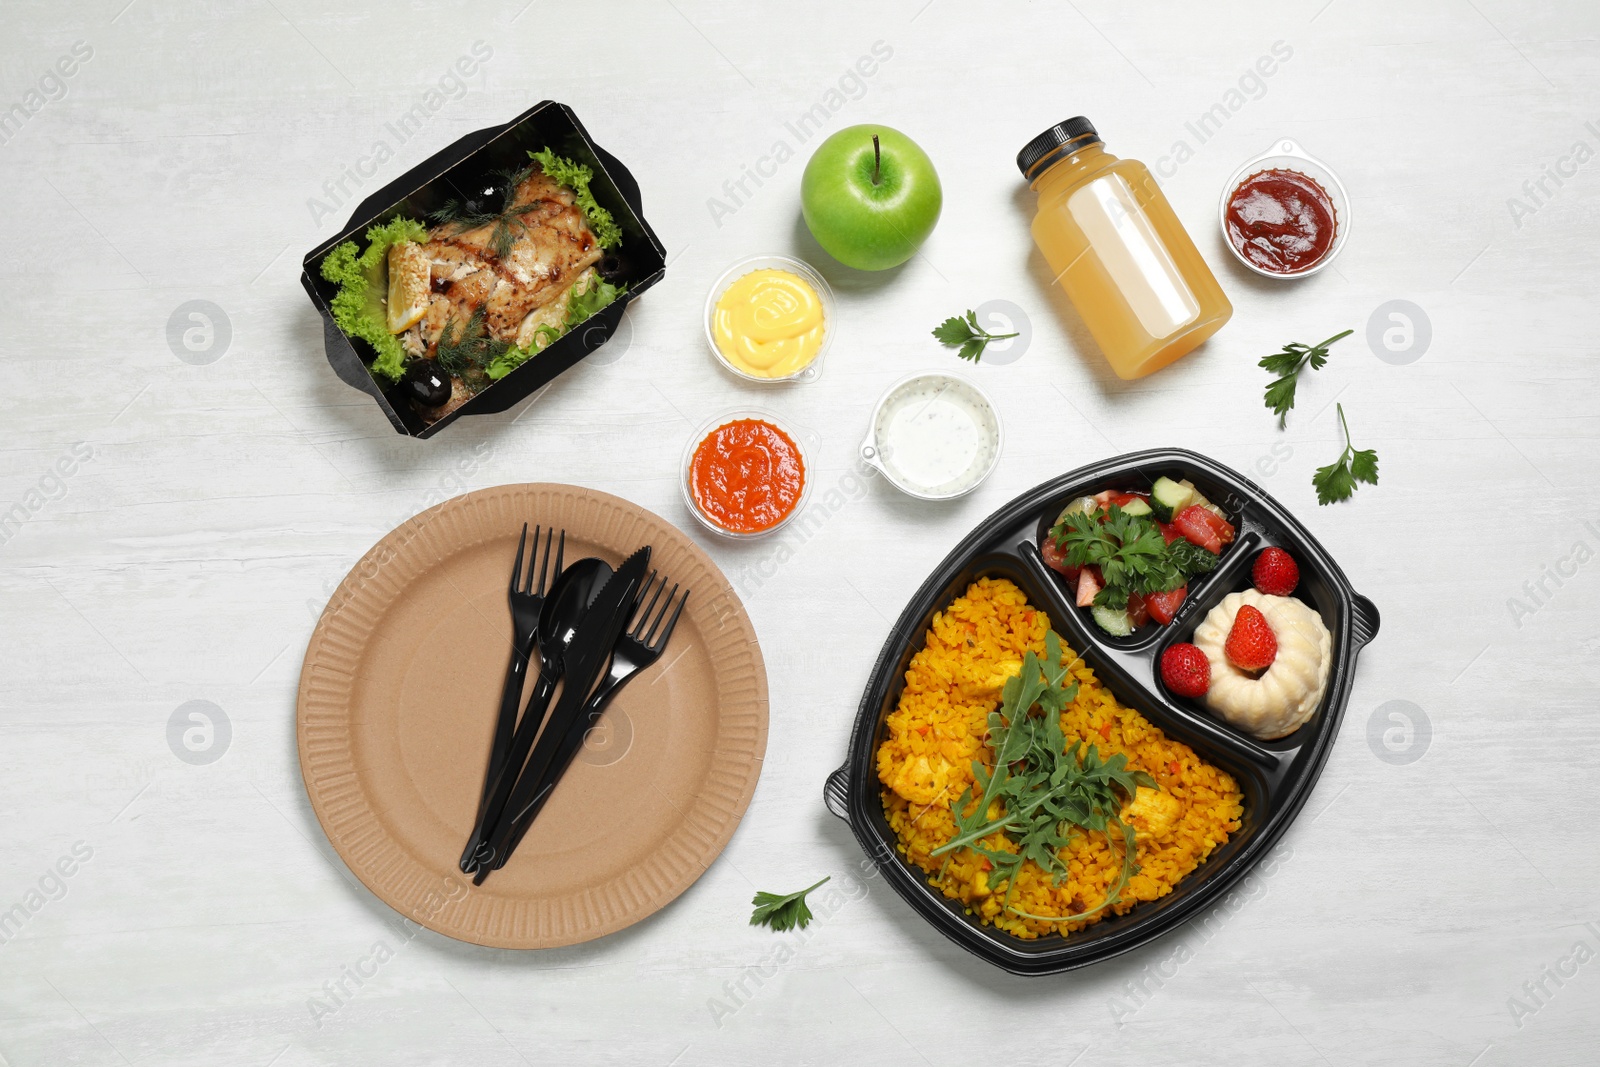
x=1076, y=132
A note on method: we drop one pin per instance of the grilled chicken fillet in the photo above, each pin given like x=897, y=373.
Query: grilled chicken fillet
x=551, y=247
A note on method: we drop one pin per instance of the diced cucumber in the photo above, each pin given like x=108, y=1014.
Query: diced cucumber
x=1136, y=506
x=1116, y=623
x=1168, y=497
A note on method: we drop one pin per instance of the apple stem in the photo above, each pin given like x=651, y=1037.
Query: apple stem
x=877, y=159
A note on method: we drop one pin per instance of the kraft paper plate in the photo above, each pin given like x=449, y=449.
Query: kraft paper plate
x=396, y=711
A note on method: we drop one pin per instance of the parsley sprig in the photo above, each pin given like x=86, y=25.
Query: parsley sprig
x=1049, y=791
x=1132, y=555
x=782, y=912
x=1337, y=481
x=966, y=333
x=1287, y=365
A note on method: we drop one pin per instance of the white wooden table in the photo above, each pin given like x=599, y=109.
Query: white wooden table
x=188, y=503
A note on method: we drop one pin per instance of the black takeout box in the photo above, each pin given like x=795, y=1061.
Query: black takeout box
x=1276, y=777
x=469, y=163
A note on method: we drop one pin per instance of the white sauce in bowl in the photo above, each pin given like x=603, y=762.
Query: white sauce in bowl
x=935, y=436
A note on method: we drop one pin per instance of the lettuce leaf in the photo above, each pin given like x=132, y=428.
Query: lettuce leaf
x=576, y=176
x=600, y=295
x=363, y=280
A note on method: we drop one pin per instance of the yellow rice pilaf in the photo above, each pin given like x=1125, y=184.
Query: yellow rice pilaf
x=937, y=730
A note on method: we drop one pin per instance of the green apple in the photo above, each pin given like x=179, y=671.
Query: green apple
x=870, y=197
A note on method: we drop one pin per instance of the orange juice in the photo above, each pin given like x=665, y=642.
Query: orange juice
x=1116, y=247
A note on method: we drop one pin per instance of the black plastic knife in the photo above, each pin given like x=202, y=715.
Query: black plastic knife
x=586, y=661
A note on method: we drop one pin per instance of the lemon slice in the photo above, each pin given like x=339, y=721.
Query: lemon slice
x=409, y=289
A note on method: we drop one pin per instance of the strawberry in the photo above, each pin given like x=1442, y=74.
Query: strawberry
x=1138, y=611
x=1056, y=560
x=1186, y=671
x=1251, y=644
x=1163, y=606
x=1275, y=572
x=1089, y=584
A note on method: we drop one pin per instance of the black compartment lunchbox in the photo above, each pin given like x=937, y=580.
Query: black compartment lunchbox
x=468, y=163
x=1276, y=777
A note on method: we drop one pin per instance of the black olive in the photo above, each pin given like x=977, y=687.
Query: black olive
x=426, y=384
x=610, y=266
x=484, y=201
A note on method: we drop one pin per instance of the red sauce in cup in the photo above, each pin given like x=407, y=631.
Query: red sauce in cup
x=747, y=476
x=1281, y=221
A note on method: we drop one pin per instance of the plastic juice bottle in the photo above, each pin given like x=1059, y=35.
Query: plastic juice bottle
x=1119, y=251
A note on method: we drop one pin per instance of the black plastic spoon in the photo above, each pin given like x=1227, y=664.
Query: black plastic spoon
x=563, y=610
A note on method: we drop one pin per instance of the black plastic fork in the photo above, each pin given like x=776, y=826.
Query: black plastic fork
x=634, y=651
x=526, y=603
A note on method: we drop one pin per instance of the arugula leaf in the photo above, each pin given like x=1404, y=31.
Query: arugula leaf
x=1287, y=365
x=966, y=333
x=1049, y=791
x=576, y=176
x=782, y=912
x=1337, y=481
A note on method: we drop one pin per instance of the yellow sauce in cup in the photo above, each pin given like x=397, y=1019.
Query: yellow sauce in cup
x=769, y=324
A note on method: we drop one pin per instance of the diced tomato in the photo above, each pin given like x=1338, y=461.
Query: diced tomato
x=1137, y=610
x=1169, y=532
x=1163, y=606
x=1105, y=730
x=923, y=729
x=1175, y=767
x=1089, y=584
x=1056, y=559
x=987, y=865
x=1122, y=500
x=1199, y=526
x=1223, y=528
x=1220, y=527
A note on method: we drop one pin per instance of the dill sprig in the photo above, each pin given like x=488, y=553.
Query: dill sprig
x=466, y=350
x=507, y=221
